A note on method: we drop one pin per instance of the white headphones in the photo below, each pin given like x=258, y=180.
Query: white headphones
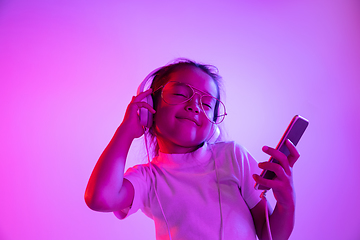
x=146, y=117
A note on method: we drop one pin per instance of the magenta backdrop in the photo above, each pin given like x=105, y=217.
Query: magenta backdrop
x=69, y=68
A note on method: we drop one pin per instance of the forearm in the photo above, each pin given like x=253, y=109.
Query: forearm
x=282, y=221
x=107, y=177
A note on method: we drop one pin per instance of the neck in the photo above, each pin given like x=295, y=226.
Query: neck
x=173, y=148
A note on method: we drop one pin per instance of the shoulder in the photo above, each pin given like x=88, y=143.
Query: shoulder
x=139, y=170
x=146, y=170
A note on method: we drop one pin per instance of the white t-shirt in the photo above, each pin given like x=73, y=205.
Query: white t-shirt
x=189, y=193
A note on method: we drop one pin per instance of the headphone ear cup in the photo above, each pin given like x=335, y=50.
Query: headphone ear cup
x=214, y=135
x=146, y=117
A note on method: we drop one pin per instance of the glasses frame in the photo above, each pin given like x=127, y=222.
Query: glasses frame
x=194, y=91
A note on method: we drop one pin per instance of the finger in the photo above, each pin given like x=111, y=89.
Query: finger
x=134, y=107
x=142, y=95
x=294, y=154
x=145, y=105
x=264, y=182
x=276, y=154
x=274, y=167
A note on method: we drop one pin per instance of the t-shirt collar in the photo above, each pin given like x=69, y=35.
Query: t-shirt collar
x=198, y=157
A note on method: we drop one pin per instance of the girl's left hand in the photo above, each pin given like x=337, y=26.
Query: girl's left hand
x=282, y=185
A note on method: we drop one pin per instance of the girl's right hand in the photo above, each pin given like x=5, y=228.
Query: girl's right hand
x=131, y=120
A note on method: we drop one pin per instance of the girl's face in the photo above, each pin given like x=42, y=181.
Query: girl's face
x=184, y=127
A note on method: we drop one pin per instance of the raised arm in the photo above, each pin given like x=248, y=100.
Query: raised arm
x=283, y=217
x=107, y=190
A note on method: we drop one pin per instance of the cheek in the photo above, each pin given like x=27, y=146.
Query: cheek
x=209, y=128
x=210, y=114
x=163, y=118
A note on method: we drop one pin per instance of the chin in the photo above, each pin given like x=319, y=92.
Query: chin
x=191, y=142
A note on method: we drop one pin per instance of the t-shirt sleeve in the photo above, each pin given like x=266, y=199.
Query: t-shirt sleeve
x=248, y=166
x=139, y=178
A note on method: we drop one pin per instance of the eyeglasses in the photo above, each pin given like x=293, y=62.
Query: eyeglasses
x=176, y=93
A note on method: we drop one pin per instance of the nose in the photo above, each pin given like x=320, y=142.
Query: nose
x=194, y=104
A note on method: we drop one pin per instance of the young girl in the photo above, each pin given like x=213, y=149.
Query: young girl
x=193, y=188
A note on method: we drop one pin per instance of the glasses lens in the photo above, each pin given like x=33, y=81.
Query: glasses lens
x=213, y=108
x=175, y=93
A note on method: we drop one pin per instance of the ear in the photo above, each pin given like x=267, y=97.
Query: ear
x=214, y=134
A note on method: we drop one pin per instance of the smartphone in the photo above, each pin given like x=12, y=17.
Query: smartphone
x=293, y=132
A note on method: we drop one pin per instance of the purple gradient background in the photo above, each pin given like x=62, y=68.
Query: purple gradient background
x=69, y=68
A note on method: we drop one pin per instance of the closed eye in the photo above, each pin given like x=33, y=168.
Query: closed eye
x=207, y=105
x=180, y=95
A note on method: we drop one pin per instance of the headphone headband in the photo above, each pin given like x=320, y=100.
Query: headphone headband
x=146, y=84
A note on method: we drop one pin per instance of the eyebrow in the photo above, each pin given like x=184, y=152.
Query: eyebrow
x=206, y=92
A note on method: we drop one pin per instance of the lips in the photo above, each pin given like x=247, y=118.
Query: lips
x=189, y=119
